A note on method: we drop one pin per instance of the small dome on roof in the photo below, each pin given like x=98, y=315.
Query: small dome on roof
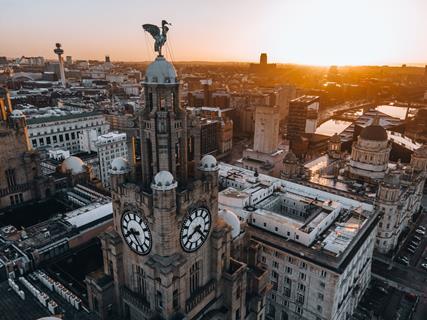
x=421, y=152
x=208, y=163
x=290, y=157
x=119, y=166
x=73, y=164
x=17, y=114
x=374, y=132
x=160, y=71
x=163, y=181
x=232, y=219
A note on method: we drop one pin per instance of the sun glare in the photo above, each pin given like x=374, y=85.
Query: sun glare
x=337, y=32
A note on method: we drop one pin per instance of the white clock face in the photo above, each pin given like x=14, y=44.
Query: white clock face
x=136, y=233
x=195, y=229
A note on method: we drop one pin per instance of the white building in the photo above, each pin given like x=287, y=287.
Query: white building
x=110, y=146
x=64, y=131
x=316, y=245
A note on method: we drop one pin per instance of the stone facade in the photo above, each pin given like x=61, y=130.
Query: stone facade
x=168, y=255
x=20, y=176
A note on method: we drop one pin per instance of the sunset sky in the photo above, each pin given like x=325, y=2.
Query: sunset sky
x=320, y=32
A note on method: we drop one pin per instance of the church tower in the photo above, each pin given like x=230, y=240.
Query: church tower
x=168, y=254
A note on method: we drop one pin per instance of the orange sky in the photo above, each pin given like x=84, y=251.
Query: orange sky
x=319, y=32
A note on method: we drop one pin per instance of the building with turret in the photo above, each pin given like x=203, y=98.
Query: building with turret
x=20, y=177
x=395, y=188
x=168, y=255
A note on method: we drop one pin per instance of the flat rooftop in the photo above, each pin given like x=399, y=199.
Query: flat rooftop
x=301, y=219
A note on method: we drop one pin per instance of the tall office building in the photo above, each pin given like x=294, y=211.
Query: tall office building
x=265, y=157
x=302, y=118
x=168, y=255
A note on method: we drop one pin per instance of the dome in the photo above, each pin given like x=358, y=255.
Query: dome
x=421, y=152
x=17, y=114
x=208, y=163
x=232, y=219
x=160, y=71
x=73, y=164
x=119, y=166
x=374, y=132
x=290, y=157
x=163, y=181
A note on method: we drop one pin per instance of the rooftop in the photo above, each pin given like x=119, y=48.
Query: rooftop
x=317, y=224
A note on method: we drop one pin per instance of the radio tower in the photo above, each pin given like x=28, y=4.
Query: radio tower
x=59, y=51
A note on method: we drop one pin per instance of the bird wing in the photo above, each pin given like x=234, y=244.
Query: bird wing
x=152, y=29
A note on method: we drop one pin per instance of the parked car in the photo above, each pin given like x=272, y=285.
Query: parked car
x=415, y=244
x=410, y=250
x=421, y=232
x=422, y=228
x=403, y=261
x=424, y=266
x=417, y=238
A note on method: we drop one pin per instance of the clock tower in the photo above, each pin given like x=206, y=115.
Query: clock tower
x=168, y=253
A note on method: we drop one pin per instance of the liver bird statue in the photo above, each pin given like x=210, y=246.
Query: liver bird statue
x=159, y=37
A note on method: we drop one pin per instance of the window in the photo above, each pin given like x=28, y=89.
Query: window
x=323, y=274
x=287, y=292
x=288, y=281
x=141, y=287
x=322, y=284
x=159, y=300
x=319, y=308
x=289, y=270
x=175, y=299
x=302, y=276
x=303, y=265
x=10, y=177
x=298, y=310
x=275, y=264
x=320, y=296
x=195, y=276
x=274, y=274
x=290, y=260
x=238, y=314
x=300, y=298
x=301, y=287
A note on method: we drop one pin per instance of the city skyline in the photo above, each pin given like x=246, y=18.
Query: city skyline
x=301, y=32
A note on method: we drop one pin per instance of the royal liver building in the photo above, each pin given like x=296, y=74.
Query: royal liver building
x=168, y=255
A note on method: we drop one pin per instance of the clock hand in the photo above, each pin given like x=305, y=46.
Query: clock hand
x=196, y=229
x=137, y=239
x=202, y=235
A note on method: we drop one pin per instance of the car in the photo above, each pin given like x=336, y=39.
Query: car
x=421, y=232
x=412, y=247
x=404, y=262
x=422, y=228
x=415, y=244
x=404, y=258
x=417, y=238
x=410, y=250
x=424, y=266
